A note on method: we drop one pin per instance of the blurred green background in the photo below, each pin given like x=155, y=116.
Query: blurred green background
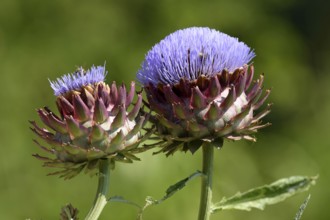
x=41, y=40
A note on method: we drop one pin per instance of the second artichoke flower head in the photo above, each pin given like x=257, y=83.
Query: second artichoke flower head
x=97, y=121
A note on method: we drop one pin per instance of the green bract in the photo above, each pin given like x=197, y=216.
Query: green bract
x=96, y=122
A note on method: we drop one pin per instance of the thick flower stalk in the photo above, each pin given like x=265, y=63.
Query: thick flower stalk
x=200, y=86
x=96, y=122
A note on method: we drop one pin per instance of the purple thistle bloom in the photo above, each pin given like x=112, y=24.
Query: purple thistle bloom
x=192, y=52
x=200, y=87
x=96, y=121
x=76, y=80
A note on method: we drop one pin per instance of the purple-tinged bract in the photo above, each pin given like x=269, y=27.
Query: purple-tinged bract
x=96, y=121
x=190, y=53
x=200, y=88
x=78, y=79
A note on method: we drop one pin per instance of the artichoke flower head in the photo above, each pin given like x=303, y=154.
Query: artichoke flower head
x=97, y=121
x=199, y=84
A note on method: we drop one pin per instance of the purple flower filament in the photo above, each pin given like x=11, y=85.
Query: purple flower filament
x=192, y=52
x=78, y=79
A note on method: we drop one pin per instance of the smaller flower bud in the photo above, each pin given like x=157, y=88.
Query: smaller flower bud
x=69, y=212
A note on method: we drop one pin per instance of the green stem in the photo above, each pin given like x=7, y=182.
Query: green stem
x=102, y=190
x=206, y=190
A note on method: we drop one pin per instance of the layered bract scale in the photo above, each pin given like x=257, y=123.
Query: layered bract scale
x=208, y=109
x=96, y=121
x=200, y=87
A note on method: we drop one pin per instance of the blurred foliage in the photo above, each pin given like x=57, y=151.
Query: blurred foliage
x=42, y=40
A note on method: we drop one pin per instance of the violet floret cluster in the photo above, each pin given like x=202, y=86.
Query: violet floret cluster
x=78, y=79
x=192, y=52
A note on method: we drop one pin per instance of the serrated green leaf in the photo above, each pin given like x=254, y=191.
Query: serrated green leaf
x=302, y=208
x=266, y=195
x=169, y=192
x=177, y=186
